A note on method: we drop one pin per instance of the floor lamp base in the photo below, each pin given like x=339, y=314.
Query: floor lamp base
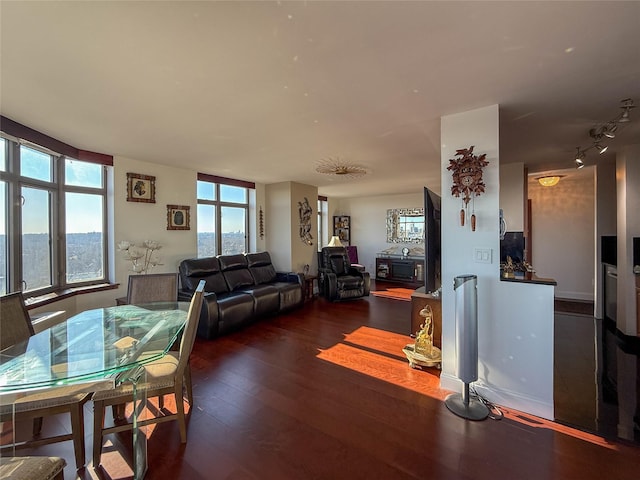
x=470, y=409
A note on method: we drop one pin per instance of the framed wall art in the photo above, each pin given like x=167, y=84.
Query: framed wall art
x=178, y=217
x=141, y=188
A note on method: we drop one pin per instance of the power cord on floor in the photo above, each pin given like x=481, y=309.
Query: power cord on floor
x=494, y=412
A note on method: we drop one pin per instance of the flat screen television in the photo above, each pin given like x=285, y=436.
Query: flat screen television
x=432, y=241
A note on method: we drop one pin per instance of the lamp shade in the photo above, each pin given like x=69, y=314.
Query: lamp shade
x=335, y=242
x=549, y=181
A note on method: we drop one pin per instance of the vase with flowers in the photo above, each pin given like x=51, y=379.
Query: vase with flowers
x=143, y=257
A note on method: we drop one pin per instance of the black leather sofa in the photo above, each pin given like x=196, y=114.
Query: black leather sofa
x=338, y=279
x=239, y=290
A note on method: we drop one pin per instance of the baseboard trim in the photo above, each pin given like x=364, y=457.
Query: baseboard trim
x=525, y=403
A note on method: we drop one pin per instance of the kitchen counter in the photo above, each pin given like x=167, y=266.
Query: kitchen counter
x=529, y=278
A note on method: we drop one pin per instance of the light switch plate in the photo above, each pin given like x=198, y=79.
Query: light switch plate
x=482, y=255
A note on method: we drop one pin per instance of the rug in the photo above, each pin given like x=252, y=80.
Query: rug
x=395, y=293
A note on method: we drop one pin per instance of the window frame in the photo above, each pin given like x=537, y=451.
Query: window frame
x=218, y=204
x=57, y=189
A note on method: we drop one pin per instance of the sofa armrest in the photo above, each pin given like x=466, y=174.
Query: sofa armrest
x=290, y=277
x=209, y=316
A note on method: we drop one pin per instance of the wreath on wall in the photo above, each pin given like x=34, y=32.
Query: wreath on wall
x=467, y=180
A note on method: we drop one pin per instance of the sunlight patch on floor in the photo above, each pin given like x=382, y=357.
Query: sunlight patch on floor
x=378, y=354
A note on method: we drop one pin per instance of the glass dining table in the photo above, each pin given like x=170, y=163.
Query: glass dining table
x=93, y=350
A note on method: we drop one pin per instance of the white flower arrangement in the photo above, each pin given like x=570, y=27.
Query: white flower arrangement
x=142, y=257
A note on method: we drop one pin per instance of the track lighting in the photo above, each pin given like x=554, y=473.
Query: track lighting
x=627, y=105
x=601, y=149
x=606, y=130
x=609, y=130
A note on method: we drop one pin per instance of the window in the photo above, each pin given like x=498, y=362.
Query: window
x=223, y=215
x=55, y=238
x=322, y=222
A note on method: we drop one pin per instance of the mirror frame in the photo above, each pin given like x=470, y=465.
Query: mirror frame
x=394, y=219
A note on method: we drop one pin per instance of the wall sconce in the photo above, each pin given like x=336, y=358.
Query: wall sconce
x=550, y=180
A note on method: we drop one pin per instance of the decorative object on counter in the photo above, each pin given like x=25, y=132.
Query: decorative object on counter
x=305, y=211
x=405, y=225
x=424, y=353
x=510, y=268
x=141, y=188
x=142, y=257
x=178, y=217
x=261, y=223
x=604, y=131
x=305, y=269
x=340, y=168
x=467, y=181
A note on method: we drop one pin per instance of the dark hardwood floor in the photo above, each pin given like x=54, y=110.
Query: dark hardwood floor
x=325, y=392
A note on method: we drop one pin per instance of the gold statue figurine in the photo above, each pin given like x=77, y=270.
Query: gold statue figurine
x=424, y=337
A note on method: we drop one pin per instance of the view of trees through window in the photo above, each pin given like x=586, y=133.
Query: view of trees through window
x=60, y=216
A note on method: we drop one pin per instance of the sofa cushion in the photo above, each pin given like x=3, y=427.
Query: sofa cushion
x=207, y=269
x=261, y=267
x=266, y=299
x=235, y=271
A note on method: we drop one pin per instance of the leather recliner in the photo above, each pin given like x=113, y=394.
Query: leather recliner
x=338, y=279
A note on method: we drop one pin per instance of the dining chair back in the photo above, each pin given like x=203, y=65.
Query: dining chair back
x=153, y=287
x=15, y=324
x=170, y=375
x=15, y=327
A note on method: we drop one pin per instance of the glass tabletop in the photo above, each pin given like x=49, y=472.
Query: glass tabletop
x=94, y=344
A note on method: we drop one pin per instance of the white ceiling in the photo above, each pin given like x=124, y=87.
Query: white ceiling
x=263, y=91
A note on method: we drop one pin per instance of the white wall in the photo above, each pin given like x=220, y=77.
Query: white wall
x=512, y=196
x=562, y=227
x=369, y=223
x=282, y=224
x=278, y=218
x=606, y=224
x=515, y=321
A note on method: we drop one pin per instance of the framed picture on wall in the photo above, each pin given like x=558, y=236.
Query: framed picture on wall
x=178, y=217
x=141, y=188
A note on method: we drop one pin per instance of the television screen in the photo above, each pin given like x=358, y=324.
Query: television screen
x=432, y=239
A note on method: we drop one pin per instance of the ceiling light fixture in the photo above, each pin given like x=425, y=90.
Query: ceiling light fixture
x=549, y=180
x=606, y=130
x=579, y=159
x=341, y=168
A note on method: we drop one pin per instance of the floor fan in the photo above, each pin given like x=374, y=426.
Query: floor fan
x=466, y=294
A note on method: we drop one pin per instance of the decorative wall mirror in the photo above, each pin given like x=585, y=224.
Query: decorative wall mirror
x=405, y=225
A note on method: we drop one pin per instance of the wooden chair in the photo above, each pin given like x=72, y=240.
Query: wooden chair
x=168, y=375
x=153, y=287
x=15, y=321
x=15, y=326
x=32, y=468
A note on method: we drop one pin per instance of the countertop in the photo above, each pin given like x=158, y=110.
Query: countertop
x=530, y=278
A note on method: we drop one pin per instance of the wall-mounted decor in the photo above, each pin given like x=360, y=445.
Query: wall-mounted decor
x=305, y=212
x=178, y=217
x=405, y=225
x=342, y=228
x=141, y=188
x=467, y=181
x=261, y=226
